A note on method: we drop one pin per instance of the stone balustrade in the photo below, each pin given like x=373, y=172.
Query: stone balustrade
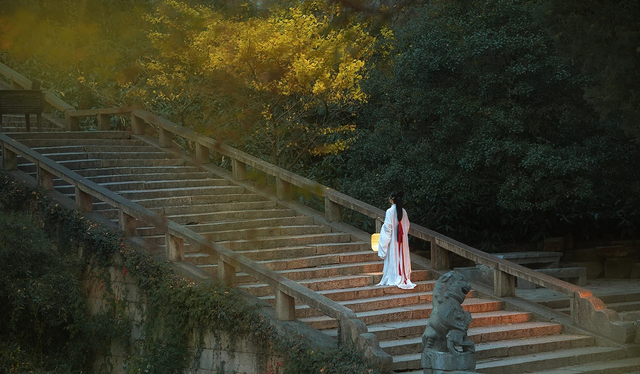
x=587, y=311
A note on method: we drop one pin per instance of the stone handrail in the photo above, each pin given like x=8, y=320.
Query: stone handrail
x=587, y=311
x=130, y=213
x=18, y=81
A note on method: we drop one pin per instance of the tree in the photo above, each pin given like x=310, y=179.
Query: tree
x=283, y=83
x=486, y=127
x=602, y=38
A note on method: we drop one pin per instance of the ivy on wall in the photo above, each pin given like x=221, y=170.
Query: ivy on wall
x=44, y=252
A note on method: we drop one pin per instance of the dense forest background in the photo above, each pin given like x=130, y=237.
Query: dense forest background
x=504, y=121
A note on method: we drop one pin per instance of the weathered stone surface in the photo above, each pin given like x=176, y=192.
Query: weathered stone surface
x=615, y=251
x=554, y=244
x=618, y=268
x=446, y=345
x=635, y=271
x=595, y=269
x=444, y=362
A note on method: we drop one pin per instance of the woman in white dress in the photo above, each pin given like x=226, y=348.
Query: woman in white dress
x=393, y=246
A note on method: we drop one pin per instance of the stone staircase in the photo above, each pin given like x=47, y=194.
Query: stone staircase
x=624, y=301
x=15, y=123
x=312, y=252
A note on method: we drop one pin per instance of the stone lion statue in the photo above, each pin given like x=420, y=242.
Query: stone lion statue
x=446, y=329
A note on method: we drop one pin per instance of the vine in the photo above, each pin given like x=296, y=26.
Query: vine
x=178, y=311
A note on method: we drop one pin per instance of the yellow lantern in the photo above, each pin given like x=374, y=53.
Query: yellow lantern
x=375, y=238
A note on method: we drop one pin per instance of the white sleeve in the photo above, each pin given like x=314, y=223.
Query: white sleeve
x=386, y=233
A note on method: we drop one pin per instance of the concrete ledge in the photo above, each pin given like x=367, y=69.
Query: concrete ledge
x=549, y=259
x=575, y=275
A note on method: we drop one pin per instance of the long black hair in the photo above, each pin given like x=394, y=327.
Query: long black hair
x=396, y=197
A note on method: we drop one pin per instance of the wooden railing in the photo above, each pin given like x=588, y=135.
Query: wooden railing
x=587, y=311
x=18, y=82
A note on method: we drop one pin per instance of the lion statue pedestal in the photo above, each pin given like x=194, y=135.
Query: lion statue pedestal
x=446, y=347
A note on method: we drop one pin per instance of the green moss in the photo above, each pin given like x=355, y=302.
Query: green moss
x=66, y=339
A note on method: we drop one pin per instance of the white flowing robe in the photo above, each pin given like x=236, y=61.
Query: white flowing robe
x=397, y=262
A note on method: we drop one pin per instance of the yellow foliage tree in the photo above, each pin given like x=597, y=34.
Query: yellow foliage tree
x=299, y=74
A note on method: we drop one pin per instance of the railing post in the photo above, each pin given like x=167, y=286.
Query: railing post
x=379, y=224
x=164, y=138
x=15, y=85
x=503, y=284
x=73, y=123
x=226, y=273
x=47, y=107
x=239, y=170
x=128, y=224
x=202, y=154
x=174, y=247
x=285, y=307
x=283, y=189
x=9, y=159
x=104, y=122
x=331, y=210
x=439, y=257
x=137, y=125
x=45, y=179
x=83, y=201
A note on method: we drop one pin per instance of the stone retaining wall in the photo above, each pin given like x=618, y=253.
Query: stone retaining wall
x=217, y=355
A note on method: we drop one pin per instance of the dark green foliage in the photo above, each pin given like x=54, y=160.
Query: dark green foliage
x=48, y=328
x=601, y=37
x=486, y=129
x=43, y=309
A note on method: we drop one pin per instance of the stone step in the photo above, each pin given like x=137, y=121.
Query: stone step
x=223, y=216
x=621, y=366
x=294, y=261
x=355, y=293
x=409, y=312
x=202, y=210
x=28, y=167
x=108, y=156
x=321, y=260
x=632, y=316
x=37, y=143
x=252, y=244
x=182, y=191
x=100, y=179
x=485, y=351
x=286, y=241
x=199, y=200
x=549, y=360
x=628, y=310
x=260, y=234
x=236, y=215
x=155, y=203
x=21, y=127
x=113, y=171
x=626, y=306
x=305, y=274
x=283, y=254
x=333, y=283
x=303, y=251
x=375, y=291
x=415, y=328
x=144, y=162
x=406, y=298
x=94, y=148
x=371, y=304
x=257, y=224
x=67, y=135
x=154, y=185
